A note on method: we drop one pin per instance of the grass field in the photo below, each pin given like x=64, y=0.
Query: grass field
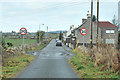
x=19, y=42
x=53, y=35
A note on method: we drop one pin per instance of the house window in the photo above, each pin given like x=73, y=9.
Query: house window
x=102, y=41
x=110, y=41
x=110, y=31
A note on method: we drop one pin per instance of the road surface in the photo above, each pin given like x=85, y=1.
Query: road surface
x=51, y=62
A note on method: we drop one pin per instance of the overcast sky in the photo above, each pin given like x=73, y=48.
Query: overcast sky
x=56, y=14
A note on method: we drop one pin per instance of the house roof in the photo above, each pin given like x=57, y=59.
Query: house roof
x=102, y=24
x=79, y=26
x=106, y=24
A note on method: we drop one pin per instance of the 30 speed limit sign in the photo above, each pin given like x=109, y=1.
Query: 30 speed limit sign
x=83, y=31
x=23, y=31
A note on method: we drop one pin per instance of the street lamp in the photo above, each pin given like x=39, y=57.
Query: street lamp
x=39, y=33
x=47, y=33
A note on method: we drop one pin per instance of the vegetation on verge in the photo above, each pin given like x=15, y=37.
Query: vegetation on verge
x=13, y=65
x=39, y=47
x=85, y=67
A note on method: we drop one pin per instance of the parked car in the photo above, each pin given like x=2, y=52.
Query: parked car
x=58, y=43
x=57, y=40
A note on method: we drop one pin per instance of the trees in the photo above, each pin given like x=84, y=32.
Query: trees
x=61, y=36
x=94, y=18
x=42, y=34
x=119, y=38
x=114, y=21
x=3, y=43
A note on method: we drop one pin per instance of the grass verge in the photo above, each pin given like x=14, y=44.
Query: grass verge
x=84, y=67
x=39, y=47
x=13, y=65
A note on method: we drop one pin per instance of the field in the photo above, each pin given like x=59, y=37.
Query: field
x=19, y=42
x=53, y=35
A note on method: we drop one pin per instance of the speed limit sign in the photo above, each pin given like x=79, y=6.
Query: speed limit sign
x=83, y=31
x=23, y=31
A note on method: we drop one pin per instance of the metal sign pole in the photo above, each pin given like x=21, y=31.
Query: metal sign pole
x=23, y=43
x=39, y=33
x=23, y=31
x=83, y=32
x=83, y=44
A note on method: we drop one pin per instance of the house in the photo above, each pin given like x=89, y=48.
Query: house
x=64, y=37
x=108, y=33
x=67, y=36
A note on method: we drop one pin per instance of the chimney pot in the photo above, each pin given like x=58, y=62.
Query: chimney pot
x=88, y=16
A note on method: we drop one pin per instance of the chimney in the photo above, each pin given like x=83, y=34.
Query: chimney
x=71, y=27
x=83, y=20
x=88, y=15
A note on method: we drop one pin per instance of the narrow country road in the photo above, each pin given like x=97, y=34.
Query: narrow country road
x=50, y=63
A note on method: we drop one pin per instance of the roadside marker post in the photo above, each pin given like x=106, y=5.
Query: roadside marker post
x=77, y=43
x=83, y=32
x=23, y=31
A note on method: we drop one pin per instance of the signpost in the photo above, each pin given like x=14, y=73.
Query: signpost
x=83, y=32
x=23, y=31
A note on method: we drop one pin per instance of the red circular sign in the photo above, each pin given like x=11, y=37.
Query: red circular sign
x=83, y=31
x=23, y=31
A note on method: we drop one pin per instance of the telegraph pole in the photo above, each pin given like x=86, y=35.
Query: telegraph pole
x=97, y=22
x=47, y=29
x=39, y=33
x=91, y=22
